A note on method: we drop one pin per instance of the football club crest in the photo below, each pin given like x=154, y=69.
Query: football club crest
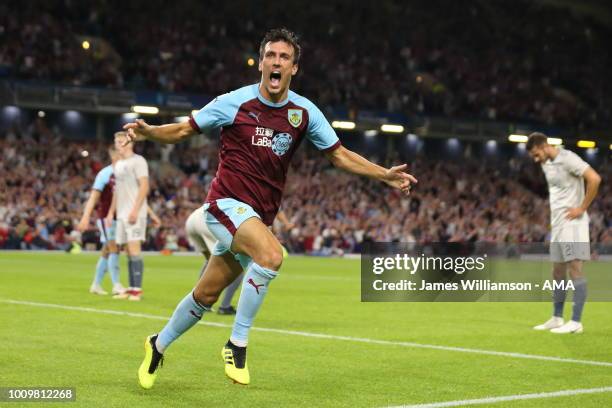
x=295, y=117
x=240, y=210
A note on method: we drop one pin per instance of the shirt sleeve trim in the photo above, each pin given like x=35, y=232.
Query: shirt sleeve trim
x=332, y=147
x=194, y=124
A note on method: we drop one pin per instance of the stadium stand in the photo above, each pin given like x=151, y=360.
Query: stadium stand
x=415, y=59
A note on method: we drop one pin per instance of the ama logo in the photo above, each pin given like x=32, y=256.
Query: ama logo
x=281, y=143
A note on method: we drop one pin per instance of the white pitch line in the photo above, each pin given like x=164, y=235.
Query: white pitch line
x=324, y=336
x=493, y=400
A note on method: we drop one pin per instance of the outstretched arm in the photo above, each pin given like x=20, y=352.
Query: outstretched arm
x=345, y=159
x=169, y=134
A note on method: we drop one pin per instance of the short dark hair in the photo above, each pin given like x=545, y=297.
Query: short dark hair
x=536, y=139
x=281, y=34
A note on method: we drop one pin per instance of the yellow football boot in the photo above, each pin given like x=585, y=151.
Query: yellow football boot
x=153, y=359
x=236, y=367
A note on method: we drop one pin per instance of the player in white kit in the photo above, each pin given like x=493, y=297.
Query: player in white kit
x=130, y=203
x=566, y=174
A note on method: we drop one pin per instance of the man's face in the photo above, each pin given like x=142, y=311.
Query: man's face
x=277, y=67
x=119, y=145
x=538, y=154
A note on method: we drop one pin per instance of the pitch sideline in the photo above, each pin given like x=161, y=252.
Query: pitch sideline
x=517, y=397
x=322, y=335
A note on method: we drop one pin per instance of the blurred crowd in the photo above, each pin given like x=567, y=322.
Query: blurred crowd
x=454, y=201
x=45, y=181
x=492, y=60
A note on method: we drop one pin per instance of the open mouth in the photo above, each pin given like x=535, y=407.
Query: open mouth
x=275, y=77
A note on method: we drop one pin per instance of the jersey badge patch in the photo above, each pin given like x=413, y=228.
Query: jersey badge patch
x=295, y=117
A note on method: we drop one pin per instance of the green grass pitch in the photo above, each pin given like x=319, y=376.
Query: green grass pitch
x=99, y=353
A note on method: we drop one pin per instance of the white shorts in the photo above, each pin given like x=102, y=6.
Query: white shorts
x=127, y=232
x=198, y=234
x=570, y=242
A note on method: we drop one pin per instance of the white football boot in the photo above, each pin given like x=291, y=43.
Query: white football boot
x=118, y=289
x=569, y=327
x=97, y=290
x=552, y=323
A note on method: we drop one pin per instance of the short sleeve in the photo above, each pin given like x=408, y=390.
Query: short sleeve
x=218, y=113
x=102, y=179
x=574, y=164
x=319, y=132
x=141, y=168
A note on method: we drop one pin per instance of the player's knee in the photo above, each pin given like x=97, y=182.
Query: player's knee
x=133, y=251
x=559, y=272
x=575, y=270
x=205, y=296
x=271, y=258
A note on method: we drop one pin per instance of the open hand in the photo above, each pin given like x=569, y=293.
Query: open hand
x=396, y=177
x=136, y=131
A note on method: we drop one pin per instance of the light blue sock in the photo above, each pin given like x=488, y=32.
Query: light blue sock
x=113, y=267
x=100, y=270
x=254, y=289
x=187, y=313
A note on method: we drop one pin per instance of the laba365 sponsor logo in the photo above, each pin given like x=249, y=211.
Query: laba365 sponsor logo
x=264, y=137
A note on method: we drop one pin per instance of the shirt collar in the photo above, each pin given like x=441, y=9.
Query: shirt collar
x=270, y=103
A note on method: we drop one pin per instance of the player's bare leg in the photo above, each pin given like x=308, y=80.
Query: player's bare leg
x=559, y=273
x=220, y=271
x=255, y=240
x=206, y=254
x=580, y=292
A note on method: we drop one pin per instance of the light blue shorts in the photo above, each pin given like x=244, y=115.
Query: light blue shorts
x=223, y=218
x=106, y=234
